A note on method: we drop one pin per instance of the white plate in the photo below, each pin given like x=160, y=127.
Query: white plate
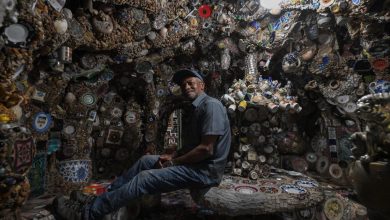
x=246, y=189
x=69, y=129
x=16, y=33
x=88, y=99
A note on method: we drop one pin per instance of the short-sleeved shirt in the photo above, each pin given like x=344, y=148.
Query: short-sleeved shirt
x=207, y=116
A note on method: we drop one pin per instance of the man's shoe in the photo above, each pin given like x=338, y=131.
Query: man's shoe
x=79, y=196
x=68, y=209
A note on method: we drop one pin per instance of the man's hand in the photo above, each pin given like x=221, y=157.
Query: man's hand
x=165, y=160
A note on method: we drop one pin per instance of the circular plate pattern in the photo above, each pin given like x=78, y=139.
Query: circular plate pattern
x=311, y=157
x=116, y=112
x=322, y=164
x=299, y=164
x=334, y=208
x=380, y=64
x=245, y=189
x=69, y=130
x=131, y=117
x=88, y=99
x=16, y=33
x=204, y=11
x=42, y=122
x=335, y=171
x=76, y=171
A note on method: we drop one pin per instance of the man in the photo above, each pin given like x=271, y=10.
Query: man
x=200, y=163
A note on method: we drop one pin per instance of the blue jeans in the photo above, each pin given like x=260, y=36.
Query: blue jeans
x=143, y=179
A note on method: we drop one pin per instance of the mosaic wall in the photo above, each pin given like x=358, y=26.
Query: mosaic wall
x=85, y=87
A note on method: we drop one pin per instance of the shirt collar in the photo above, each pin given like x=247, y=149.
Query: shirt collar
x=199, y=100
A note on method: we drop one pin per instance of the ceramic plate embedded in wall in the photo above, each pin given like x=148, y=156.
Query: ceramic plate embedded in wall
x=16, y=33
x=88, y=99
x=42, y=122
x=293, y=189
x=69, y=130
x=334, y=208
x=246, y=189
x=306, y=183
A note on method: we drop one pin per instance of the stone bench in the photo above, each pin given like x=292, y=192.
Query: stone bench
x=284, y=191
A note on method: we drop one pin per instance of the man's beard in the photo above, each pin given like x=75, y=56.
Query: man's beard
x=190, y=95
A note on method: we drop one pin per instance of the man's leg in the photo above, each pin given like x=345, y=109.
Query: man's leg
x=146, y=162
x=147, y=182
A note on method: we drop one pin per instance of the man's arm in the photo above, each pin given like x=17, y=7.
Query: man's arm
x=201, y=152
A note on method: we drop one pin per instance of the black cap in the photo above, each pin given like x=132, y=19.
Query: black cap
x=182, y=74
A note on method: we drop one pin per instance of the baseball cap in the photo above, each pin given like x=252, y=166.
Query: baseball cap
x=182, y=74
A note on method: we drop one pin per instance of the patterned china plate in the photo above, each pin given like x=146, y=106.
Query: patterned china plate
x=293, y=189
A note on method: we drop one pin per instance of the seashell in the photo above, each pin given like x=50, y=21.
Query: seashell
x=61, y=26
x=164, y=32
x=309, y=54
x=68, y=13
x=237, y=155
x=70, y=98
x=152, y=35
x=275, y=11
x=143, y=52
x=103, y=24
x=17, y=110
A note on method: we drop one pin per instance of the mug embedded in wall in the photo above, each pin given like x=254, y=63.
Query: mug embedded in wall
x=232, y=108
x=242, y=106
x=379, y=86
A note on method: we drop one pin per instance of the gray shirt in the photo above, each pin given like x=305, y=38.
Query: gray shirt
x=207, y=116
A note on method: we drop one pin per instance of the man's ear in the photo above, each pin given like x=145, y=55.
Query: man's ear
x=202, y=85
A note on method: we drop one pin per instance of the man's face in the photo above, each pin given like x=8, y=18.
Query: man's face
x=192, y=87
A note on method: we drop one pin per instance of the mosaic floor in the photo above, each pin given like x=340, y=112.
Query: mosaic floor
x=175, y=205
